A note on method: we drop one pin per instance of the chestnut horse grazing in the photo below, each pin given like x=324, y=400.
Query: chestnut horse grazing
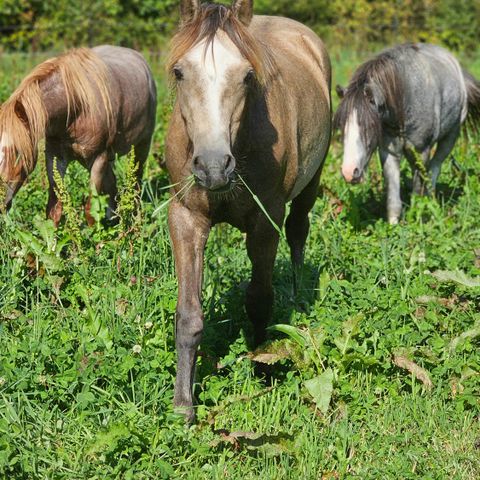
x=253, y=106
x=89, y=105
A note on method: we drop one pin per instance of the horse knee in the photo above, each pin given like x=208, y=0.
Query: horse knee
x=189, y=328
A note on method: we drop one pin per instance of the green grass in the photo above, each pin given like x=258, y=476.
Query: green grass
x=87, y=357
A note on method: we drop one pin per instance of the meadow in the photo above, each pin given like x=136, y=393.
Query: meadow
x=374, y=368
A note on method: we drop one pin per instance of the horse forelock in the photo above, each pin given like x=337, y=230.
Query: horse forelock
x=370, y=122
x=381, y=72
x=204, y=27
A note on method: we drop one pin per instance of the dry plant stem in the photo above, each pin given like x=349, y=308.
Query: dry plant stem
x=418, y=372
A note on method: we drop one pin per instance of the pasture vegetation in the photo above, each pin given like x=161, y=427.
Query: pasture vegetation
x=87, y=356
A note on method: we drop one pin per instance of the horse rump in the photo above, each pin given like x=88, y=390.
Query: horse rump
x=473, y=100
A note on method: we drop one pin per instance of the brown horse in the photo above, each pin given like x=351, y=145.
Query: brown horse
x=253, y=104
x=89, y=105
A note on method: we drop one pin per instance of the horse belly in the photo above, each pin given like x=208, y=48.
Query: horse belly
x=308, y=168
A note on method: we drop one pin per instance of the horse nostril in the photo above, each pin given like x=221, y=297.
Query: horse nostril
x=356, y=173
x=196, y=162
x=229, y=163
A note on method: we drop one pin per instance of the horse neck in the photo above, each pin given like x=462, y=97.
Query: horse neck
x=55, y=102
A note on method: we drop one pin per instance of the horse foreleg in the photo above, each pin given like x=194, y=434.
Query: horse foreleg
x=189, y=232
x=262, y=244
x=298, y=225
x=102, y=181
x=54, y=162
x=391, y=172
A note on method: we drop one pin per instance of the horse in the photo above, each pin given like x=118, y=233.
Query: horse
x=409, y=100
x=251, y=121
x=90, y=105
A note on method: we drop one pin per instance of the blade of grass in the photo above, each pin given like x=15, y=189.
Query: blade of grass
x=262, y=208
x=190, y=182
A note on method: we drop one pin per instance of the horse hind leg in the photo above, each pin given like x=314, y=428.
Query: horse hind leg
x=298, y=225
x=444, y=147
x=141, y=153
x=103, y=181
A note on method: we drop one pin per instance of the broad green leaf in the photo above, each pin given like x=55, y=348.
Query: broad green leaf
x=471, y=333
x=321, y=388
x=350, y=329
x=293, y=332
x=85, y=398
x=108, y=441
x=323, y=285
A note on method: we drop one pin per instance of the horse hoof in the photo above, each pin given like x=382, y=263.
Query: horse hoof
x=187, y=412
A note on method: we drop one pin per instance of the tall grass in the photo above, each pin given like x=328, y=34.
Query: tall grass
x=87, y=356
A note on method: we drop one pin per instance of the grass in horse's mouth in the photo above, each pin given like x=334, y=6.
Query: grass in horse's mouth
x=262, y=208
x=189, y=182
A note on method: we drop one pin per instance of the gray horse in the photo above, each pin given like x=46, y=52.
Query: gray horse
x=406, y=100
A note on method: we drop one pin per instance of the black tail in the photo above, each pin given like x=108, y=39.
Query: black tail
x=473, y=100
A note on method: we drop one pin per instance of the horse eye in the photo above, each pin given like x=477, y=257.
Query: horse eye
x=178, y=73
x=249, y=77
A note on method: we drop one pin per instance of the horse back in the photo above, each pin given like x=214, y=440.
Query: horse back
x=132, y=94
x=435, y=93
x=298, y=100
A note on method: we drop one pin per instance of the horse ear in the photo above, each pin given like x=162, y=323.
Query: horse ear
x=243, y=10
x=340, y=91
x=189, y=10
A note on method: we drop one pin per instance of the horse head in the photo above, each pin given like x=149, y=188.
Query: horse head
x=215, y=64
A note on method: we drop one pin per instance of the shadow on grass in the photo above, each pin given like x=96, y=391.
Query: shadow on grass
x=226, y=320
x=365, y=208
x=247, y=440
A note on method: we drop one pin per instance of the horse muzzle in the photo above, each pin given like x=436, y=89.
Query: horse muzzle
x=352, y=176
x=213, y=171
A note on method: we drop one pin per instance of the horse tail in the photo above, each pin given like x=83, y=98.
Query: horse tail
x=473, y=100
x=85, y=79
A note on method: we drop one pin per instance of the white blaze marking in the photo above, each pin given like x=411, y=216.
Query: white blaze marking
x=213, y=66
x=354, y=151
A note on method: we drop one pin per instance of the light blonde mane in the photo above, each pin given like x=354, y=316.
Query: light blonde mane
x=23, y=117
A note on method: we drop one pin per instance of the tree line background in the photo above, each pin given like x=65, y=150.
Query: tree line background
x=144, y=24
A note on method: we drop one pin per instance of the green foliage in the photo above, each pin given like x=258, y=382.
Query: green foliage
x=41, y=25
x=87, y=355
x=34, y=24
x=72, y=224
x=129, y=209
